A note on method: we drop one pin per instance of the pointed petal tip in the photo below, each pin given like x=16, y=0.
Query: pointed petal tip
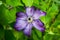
x=28, y=35
x=44, y=13
x=39, y=25
x=19, y=13
x=29, y=11
x=38, y=13
x=27, y=30
x=16, y=28
x=42, y=30
x=20, y=24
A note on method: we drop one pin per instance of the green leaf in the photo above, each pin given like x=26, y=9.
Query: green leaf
x=57, y=21
x=48, y=37
x=56, y=37
x=43, y=5
x=9, y=35
x=51, y=37
x=6, y=15
x=20, y=9
x=14, y=2
x=50, y=14
x=0, y=2
x=39, y=34
x=53, y=10
x=57, y=1
x=34, y=36
x=18, y=35
x=1, y=32
x=10, y=15
x=28, y=2
x=36, y=2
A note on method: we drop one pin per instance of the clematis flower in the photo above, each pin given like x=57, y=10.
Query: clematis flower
x=25, y=21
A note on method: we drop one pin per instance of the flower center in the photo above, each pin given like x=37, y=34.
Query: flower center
x=30, y=19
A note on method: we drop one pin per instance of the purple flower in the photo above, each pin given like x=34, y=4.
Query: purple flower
x=25, y=21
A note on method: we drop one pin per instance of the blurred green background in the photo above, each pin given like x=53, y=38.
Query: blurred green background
x=8, y=9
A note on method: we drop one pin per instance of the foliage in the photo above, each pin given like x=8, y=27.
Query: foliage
x=8, y=9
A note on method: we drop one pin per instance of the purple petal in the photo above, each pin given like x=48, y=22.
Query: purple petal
x=38, y=25
x=27, y=30
x=38, y=13
x=21, y=15
x=20, y=24
x=29, y=11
